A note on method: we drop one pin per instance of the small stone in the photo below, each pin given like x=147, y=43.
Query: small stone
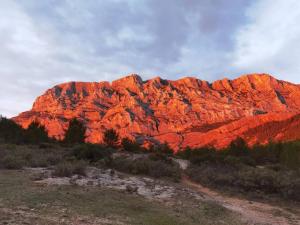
x=131, y=189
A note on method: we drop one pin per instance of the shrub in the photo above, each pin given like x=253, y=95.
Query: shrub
x=204, y=155
x=67, y=168
x=284, y=183
x=211, y=174
x=290, y=155
x=164, y=149
x=146, y=166
x=130, y=146
x=185, y=153
x=290, y=188
x=91, y=152
x=238, y=148
x=159, y=156
x=286, y=154
x=111, y=138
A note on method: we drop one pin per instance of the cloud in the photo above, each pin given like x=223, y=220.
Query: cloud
x=48, y=42
x=270, y=41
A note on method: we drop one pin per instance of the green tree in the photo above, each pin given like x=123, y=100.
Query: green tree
x=75, y=134
x=36, y=133
x=110, y=138
x=10, y=131
x=164, y=149
x=184, y=153
x=238, y=147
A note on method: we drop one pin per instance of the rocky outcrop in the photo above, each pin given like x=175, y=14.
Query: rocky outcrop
x=184, y=112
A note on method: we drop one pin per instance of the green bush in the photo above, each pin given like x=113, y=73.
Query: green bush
x=130, y=146
x=91, y=152
x=147, y=166
x=264, y=180
x=290, y=155
x=238, y=148
x=163, y=149
x=184, y=153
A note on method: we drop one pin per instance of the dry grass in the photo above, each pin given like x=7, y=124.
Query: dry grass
x=66, y=204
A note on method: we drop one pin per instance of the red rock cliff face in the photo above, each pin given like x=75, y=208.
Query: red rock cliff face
x=185, y=112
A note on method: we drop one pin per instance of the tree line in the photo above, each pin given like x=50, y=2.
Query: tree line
x=238, y=151
x=36, y=133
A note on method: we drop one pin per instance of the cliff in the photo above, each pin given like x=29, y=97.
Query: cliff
x=184, y=112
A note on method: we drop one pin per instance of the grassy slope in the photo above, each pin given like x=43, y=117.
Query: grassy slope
x=23, y=202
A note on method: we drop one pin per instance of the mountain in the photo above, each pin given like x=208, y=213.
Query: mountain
x=184, y=112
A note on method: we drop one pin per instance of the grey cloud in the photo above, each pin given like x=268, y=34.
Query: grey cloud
x=47, y=42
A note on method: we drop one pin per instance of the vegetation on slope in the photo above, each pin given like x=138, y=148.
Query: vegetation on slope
x=272, y=169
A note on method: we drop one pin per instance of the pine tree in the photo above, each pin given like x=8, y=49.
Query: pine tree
x=75, y=133
x=130, y=146
x=238, y=147
x=36, y=133
x=110, y=138
x=10, y=132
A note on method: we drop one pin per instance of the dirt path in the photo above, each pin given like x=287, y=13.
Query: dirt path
x=251, y=212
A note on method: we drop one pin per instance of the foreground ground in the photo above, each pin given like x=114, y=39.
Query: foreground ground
x=114, y=198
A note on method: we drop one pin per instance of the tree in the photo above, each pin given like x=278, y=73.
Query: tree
x=184, y=153
x=110, y=138
x=10, y=131
x=238, y=147
x=164, y=149
x=36, y=133
x=75, y=133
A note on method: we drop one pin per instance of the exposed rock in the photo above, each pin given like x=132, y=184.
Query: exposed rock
x=182, y=163
x=143, y=186
x=185, y=112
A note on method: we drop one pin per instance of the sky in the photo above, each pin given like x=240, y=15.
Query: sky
x=44, y=43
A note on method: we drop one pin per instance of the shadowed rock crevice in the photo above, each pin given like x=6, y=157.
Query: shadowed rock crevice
x=280, y=97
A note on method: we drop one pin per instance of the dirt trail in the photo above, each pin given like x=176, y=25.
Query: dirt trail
x=252, y=212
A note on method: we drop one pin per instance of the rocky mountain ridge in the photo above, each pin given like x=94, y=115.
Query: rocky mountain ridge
x=185, y=112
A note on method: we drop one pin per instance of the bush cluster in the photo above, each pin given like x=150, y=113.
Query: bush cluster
x=255, y=180
x=238, y=154
x=147, y=166
x=270, y=169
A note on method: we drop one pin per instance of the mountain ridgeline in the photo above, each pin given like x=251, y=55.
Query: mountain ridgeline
x=185, y=112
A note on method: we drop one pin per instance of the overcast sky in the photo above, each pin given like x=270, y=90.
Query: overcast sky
x=47, y=42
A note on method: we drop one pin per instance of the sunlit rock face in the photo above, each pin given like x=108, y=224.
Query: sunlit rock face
x=185, y=112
